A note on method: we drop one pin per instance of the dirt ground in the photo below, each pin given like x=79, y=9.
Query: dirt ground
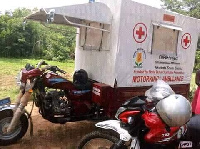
x=47, y=135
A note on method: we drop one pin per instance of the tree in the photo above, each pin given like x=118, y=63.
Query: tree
x=186, y=7
x=55, y=42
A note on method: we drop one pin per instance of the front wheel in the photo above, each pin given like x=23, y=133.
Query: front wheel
x=98, y=140
x=17, y=133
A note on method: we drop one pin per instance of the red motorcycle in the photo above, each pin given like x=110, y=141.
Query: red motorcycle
x=156, y=121
x=58, y=99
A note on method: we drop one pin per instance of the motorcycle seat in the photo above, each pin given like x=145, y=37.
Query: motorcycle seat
x=85, y=86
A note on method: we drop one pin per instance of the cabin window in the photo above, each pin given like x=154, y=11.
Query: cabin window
x=165, y=40
x=94, y=39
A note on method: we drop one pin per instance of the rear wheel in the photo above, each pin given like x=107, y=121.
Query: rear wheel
x=98, y=140
x=17, y=133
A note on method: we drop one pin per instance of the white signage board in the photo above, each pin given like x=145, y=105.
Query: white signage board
x=155, y=44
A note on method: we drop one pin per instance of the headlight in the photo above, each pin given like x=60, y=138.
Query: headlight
x=130, y=120
x=119, y=111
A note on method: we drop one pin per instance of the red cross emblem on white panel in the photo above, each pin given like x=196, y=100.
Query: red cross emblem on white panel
x=186, y=40
x=140, y=32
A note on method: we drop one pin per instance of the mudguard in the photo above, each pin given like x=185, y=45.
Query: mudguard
x=7, y=107
x=115, y=125
x=11, y=107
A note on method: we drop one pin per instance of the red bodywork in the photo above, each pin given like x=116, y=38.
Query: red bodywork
x=103, y=95
x=157, y=128
x=64, y=84
x=124, y=116
x=158, y=132
x=80, y=100
x=30, y=74
x=111, y=98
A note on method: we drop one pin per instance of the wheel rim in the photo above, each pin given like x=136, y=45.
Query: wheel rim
x=4, y=123
x=98, y=143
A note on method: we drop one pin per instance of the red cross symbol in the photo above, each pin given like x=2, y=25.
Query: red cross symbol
x=140, y=32
x=186, y=40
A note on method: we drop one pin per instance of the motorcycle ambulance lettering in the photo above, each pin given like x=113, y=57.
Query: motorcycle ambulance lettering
x=138, y=56
x=155, y=78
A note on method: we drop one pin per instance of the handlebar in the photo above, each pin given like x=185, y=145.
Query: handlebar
x=48, y=67
x=41, y=63
x=55, y=68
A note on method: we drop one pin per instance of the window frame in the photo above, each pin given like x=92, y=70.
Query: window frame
x=166, y=26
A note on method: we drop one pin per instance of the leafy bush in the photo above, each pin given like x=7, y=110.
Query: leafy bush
x=191, y=93
x=54, y=42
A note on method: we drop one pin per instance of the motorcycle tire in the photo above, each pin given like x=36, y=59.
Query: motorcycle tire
x=103, y=140
x=15, y=135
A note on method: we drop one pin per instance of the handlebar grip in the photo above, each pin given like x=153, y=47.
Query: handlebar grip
x=60, y=70
x=55, y=68
x=44, y=63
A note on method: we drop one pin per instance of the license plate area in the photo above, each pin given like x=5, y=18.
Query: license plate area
x=185, y=144
x=5, y=101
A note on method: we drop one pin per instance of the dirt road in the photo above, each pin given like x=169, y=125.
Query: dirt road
x=52, y=136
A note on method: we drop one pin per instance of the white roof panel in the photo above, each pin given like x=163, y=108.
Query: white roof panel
x=92, y=12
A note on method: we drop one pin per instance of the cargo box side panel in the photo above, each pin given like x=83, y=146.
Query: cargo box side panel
x=154, y=44
x=122, y=94
x=100, y=63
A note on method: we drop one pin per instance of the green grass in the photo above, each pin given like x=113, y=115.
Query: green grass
x=9, y=68
x=192, y=83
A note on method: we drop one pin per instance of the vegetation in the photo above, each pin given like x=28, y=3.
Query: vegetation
x=34, y=40
x=190, y=8
x=27, y=44
x=186, y=7
x=10, y=68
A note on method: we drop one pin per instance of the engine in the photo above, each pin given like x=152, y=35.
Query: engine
x=55, y=107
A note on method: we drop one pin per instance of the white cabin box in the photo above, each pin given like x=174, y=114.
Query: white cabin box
x=143, y=44
x=126, y=44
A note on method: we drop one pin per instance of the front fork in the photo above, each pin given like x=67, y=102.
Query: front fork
x=124, y=134
x=22, y=100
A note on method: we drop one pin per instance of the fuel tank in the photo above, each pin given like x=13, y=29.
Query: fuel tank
x=56, y=81
x=28, y=74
